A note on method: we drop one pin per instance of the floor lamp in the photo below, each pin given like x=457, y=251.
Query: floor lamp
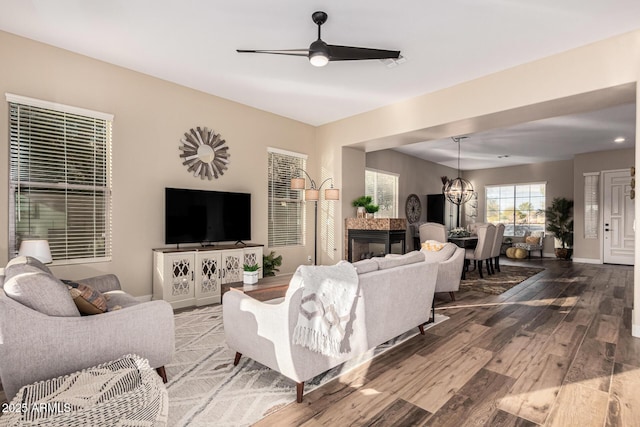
x=312, y=194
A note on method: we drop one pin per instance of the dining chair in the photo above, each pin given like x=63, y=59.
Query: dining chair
x=482, y=252
x=433, y=231
x=495, y=250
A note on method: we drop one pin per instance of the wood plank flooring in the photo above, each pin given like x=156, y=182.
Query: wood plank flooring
x=555, y=350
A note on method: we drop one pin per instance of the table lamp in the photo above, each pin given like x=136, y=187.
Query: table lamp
x=36, y=248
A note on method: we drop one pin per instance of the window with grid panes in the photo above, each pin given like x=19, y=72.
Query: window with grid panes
x=520, y=207
x=383, y=189
x=60, y=179
x=286, y=206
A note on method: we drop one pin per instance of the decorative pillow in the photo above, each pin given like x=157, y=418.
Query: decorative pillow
x=532, y=240
x=432, y=245
x=88, y=300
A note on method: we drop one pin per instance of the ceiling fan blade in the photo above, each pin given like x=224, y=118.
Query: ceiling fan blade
x=289, y=52
x=351, y=53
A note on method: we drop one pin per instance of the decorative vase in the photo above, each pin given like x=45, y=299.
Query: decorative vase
x=369, y=215
x=360, y=212
x=563, y=253
x=250, y=277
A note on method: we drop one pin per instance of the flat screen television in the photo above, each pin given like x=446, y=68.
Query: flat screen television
x=200, y=216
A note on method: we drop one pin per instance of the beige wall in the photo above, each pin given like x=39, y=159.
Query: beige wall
x=416, y=176
x=557, y=175
x=591, y=249
x=150, y=117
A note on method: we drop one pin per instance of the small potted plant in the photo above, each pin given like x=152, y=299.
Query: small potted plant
x=270, y=264
x=371, y=209
x=360, y=204
x=250, y=275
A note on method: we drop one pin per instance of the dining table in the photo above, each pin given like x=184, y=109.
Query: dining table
x=466, y=242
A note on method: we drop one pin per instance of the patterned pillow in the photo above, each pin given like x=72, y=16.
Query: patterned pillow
x=432, y=245
x=88, y=300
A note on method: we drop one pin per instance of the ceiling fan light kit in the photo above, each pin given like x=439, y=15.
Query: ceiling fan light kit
x=320, y=53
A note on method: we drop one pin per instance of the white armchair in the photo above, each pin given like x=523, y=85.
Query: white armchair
x=450, y=261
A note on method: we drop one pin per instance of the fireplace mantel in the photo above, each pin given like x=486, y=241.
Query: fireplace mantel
x=375, y=224
x=362, y=235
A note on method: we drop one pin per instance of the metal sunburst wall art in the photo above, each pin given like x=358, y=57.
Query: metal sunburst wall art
x=204, y=153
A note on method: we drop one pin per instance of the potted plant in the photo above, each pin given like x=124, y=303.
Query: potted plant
x=250, y=275
x=371, y=209
x=360, y=203
x=559, y=217
x=270, y=264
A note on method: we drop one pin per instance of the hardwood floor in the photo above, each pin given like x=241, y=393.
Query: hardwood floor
x=555, y=350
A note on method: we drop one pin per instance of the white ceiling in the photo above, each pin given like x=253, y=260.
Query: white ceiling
x=193, y=43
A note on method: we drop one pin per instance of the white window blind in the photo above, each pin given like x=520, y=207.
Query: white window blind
x=286, y=206
x=60, y=179
x=383, y=189
x=591, y=208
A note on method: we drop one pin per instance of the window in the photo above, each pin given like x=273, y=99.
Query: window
x=60, y=179
x=286, y=206
x=383, y=189
x=517, y=206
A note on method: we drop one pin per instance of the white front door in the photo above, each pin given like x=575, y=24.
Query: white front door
x=618, y=219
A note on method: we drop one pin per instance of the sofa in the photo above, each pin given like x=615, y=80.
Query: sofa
x=394, y=295
x=45, y=336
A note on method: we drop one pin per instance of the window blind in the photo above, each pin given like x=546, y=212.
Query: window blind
x=591, y=209
x=286, y=206
x=60, y=179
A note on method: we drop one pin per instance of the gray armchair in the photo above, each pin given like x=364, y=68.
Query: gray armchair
x=44, y=336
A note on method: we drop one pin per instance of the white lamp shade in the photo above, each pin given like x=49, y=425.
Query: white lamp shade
x=297, y=183
x=311, y=194
x=38, y=249
x=332, y=194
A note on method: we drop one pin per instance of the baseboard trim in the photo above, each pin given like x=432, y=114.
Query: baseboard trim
x=587, y=260
x=144, y=298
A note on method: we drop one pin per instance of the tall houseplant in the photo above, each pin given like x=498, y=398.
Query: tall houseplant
x=559, y=217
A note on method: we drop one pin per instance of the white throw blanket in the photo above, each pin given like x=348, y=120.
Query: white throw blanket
x=328, y=295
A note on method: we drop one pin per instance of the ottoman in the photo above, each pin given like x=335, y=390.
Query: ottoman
x=124, y=392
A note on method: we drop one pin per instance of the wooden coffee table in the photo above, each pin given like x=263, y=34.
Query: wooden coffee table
x=266, y=289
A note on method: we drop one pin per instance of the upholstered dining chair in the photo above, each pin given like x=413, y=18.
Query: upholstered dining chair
x=433, y=231
x=482, y=252
x=497, y=245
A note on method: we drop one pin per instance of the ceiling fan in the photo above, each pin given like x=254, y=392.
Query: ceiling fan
x=320, y=53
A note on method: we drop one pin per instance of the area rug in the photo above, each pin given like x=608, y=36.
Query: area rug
x=502, y=281
x=206, y=389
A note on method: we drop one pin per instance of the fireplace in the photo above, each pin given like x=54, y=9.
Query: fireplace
x=367, y=238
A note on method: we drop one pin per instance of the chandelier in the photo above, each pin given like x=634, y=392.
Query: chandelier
x=458, y=191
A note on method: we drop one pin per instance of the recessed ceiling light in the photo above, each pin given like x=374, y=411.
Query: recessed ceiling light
x=619, y=140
